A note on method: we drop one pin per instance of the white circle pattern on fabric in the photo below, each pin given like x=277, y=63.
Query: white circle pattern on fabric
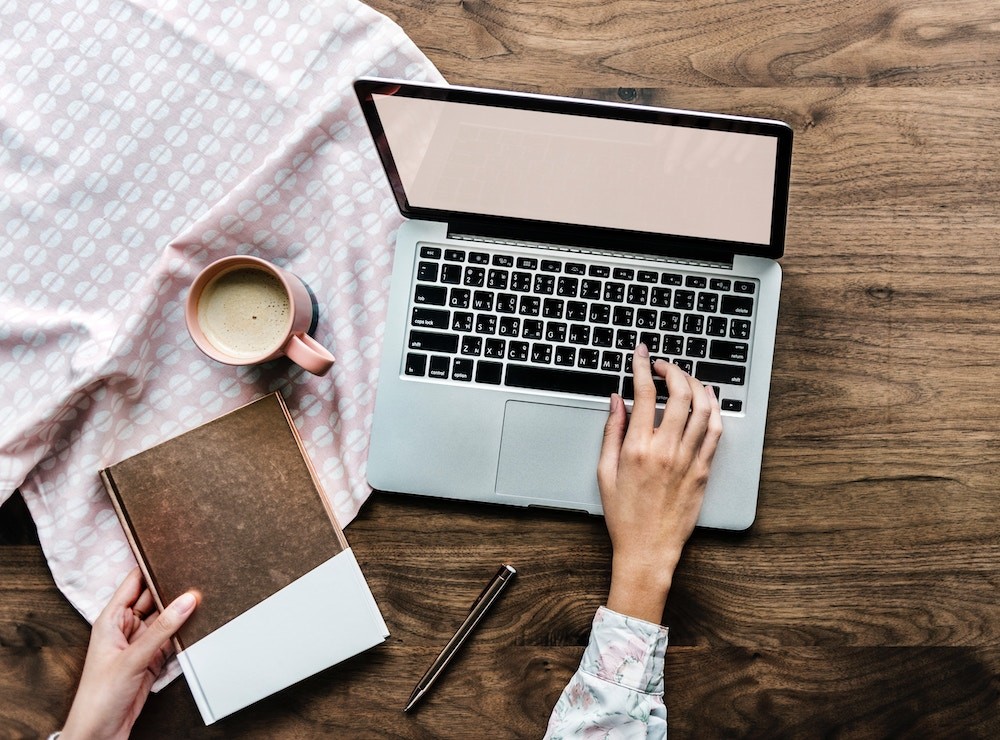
x=138, y=143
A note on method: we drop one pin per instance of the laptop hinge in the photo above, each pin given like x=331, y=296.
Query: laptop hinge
x=683, y=257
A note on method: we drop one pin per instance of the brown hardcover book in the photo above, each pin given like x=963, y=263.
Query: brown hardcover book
x=234, y=510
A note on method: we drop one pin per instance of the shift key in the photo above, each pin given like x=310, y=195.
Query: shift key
x=433, y=341
x=712, y=372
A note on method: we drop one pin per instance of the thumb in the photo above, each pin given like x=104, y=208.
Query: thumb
x=614, y=434
x=156, y=635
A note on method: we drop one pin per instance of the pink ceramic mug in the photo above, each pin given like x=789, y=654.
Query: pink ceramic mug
x=242, y=310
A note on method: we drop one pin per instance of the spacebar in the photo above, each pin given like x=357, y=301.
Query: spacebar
x=566, y=381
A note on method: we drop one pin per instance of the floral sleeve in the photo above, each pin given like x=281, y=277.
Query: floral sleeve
x=618, y=690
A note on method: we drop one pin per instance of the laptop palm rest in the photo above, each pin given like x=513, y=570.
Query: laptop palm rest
x=548, y=454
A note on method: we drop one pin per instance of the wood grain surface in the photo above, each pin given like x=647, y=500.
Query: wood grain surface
x=865, y=600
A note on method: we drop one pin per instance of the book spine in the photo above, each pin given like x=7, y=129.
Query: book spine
x=200, y=699
x=107, y=477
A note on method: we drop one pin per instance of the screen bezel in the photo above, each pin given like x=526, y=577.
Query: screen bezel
x=613, y=239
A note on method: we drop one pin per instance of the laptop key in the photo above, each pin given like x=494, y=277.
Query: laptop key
x=589, y=359
x=430, y=253
x=530, y=305
x=416, y=364
x=489, y=372
x=696, y=281
x=603, y=336
x=555, y=331
x=717, y=326
x=472, y=346
x=482, y=300
x=462, y=321
x=506, y=303
x=739, y=329
x=510, y=326
x=433, y=318
x=497, y=280
x=461, y=369
x=531, y=329
x=439, y=366
x=541, y=353
x=623, y=316
x=565, y=356
x=517, y=351
x=628, y=389
x=590, y=289
x=651, y=340
x=545, y=284
x=434, y=341
x=713, y=372
x=479, y=258
x=684, y=300
x=731, y=351
x=567, y=287
x=669, y=321
x=431, y=295
x=495, y=349
x=552, y=308
x=637, y=295
x=521, y=282
x=660, y=297
x=486, y=323
x=614, y=292
x=696, y=347
x=737, y=305
x=459, y=297
x=575, y=268
x=645, y=318
x=576, y=311
x=558, y=379
x=625, y=339
x=427, y=271
x=742, y=286
x=611, y=361
x=454, y=255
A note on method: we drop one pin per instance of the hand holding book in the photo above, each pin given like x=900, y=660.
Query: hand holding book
x=129, y=645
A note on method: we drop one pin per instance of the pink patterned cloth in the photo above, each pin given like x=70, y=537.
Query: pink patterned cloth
x=142, y=140
x=617, y=692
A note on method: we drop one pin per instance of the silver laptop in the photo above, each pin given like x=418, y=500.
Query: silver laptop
x=545, y=238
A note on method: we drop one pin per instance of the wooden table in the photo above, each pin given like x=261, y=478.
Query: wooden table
x=864, y=601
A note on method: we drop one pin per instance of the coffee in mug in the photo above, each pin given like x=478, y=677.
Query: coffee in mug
x=243, y=310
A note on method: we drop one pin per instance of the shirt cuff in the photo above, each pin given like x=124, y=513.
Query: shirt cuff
x=626, y=651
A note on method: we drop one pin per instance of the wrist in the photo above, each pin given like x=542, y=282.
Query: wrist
x=638, y=590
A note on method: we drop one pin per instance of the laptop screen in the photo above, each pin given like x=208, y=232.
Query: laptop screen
x=715, y=181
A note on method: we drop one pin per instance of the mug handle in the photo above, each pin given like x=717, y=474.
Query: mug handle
x=303, y=350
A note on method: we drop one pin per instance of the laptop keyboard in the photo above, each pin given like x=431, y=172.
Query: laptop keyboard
x=569, y=324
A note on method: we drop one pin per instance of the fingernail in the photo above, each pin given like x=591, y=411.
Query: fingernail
x=185, y=603
x=642, y=350
x=614, y=402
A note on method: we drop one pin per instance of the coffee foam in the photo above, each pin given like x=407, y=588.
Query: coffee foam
x=245, y=313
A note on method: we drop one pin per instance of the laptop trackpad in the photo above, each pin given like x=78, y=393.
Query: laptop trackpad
x=549, y=454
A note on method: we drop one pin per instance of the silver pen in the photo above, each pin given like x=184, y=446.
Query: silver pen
x=479, y=608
